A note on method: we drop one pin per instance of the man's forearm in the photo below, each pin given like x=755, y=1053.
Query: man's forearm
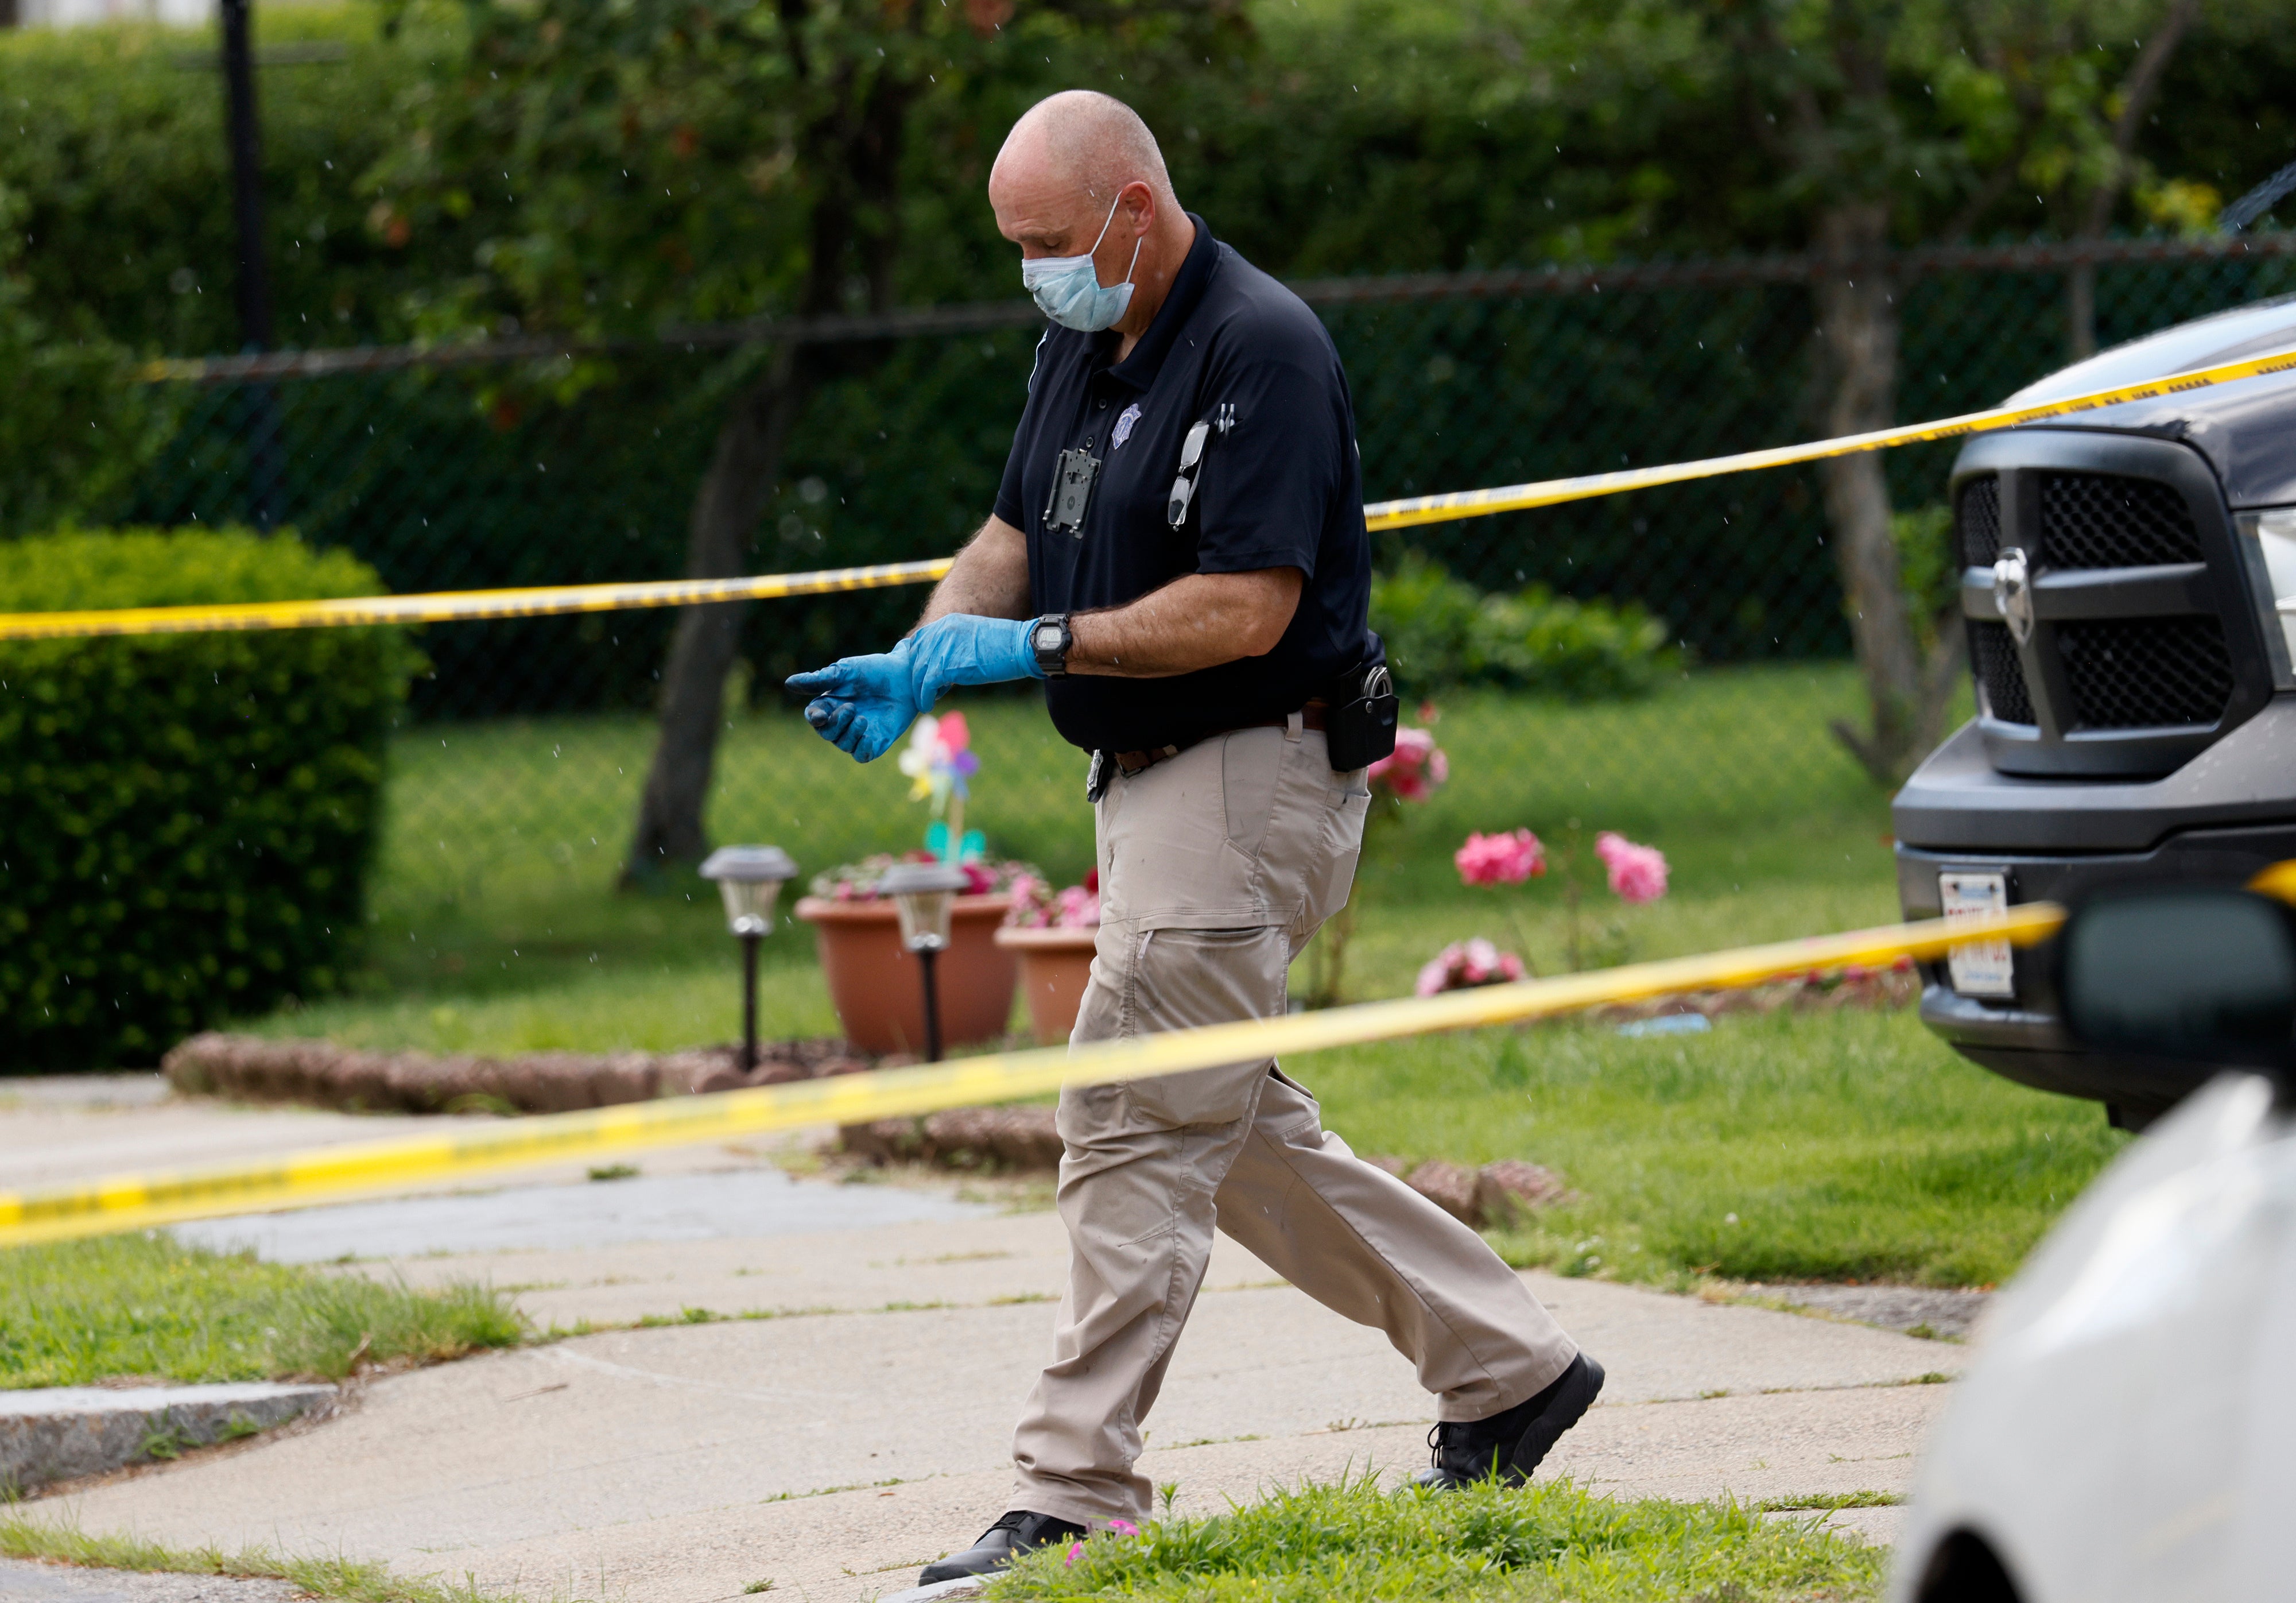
x=990, y=579
x=1198, y=621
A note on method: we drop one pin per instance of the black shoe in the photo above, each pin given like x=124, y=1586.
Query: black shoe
x=1018, y=1533
x=1509, y=1445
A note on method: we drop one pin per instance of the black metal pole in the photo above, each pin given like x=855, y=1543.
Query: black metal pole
x=253, y=280
x=932, y=1007
x=749, y=1003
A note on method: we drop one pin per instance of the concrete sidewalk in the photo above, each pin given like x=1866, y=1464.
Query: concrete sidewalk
x=846, y=1420
x=69, y=1128
x=861, y=1430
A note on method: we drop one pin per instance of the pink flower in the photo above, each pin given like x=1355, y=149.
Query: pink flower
x=1124, y=1527
x=1501, y=859
x=1412, y=772
x=1036, y=906
x=1465, y=964
x=1637, y=873
x=1075, y=1551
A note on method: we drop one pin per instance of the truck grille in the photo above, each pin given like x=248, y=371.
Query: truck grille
x=2121, y=641
x=1981, y=521
x=2138, y=673
x=1999, y=673
x=2107, y=521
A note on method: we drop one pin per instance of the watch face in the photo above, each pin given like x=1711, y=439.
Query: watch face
x=1048, y=636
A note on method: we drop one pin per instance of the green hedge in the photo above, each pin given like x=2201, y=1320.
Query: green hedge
x=185, y=820
x=1442, y=632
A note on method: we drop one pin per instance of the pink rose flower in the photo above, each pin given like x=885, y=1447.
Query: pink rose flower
x=1637, y=873
x=1465, y=964
x=1412, y=772
x=1501, y=859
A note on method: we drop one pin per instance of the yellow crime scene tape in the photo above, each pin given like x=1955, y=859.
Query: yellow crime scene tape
x=546, y=601
x=129, y=1202
x=444, y=606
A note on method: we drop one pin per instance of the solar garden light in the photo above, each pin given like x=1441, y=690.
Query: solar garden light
x=923, y=892
x=750, y=878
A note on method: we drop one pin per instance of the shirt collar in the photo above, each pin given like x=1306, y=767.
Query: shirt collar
x=1139, y=369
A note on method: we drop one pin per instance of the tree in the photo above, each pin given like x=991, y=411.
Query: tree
x=2128, y=110
x=1872, y=124
x=665, y=161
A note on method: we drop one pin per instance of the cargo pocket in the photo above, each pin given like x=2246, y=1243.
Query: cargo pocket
x=1183, y=978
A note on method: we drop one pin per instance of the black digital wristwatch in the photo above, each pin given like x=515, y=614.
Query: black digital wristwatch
x=1050, y=638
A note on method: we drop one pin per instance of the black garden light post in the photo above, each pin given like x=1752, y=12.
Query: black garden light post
x=923, y=892
x=750, y=878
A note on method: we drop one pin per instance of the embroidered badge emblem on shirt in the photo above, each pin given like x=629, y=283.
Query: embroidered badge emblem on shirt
x=1124, y=421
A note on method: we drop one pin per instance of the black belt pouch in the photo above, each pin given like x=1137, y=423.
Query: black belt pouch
x=1359, y=728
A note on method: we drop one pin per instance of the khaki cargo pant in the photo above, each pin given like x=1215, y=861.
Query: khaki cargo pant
x=1214, y=868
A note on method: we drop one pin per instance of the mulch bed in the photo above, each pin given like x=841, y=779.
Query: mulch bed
x=320, y=1073
x=1896, y=986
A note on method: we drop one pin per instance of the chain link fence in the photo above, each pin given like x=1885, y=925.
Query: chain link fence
x=524, y=746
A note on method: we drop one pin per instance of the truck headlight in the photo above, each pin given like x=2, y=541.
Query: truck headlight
x=2271, y=561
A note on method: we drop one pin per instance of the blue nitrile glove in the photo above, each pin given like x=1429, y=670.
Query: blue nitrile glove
x=864, y=704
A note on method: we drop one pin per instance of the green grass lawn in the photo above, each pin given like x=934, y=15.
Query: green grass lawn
x=143, y=1305
x=1353, y=1544
x=337, y=1579
x=1827, y=1146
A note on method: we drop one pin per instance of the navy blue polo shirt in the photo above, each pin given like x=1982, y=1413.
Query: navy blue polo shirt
x=1278, y=487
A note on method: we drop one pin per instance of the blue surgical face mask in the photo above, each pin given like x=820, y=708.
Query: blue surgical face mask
x=1069, y=291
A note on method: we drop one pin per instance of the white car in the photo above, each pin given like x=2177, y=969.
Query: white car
x=2128, y=1429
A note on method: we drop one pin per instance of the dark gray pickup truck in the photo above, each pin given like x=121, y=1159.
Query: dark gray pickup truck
x=2136, y=702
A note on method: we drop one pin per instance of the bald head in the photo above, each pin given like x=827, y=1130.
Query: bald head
x=1087, y=142
x=1080, y=175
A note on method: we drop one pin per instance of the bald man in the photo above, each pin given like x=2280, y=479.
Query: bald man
x=1178, y=551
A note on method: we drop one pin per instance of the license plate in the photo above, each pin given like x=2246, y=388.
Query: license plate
x=1980, y=968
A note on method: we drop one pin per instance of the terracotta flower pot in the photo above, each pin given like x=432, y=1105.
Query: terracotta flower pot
x=1054, y=964
x=874, y=982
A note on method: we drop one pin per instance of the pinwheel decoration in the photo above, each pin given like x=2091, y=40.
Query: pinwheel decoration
x=940, y=763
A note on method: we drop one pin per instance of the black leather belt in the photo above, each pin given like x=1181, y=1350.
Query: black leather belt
x=1130, y=763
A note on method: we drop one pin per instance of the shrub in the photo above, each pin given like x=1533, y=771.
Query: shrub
x=185, y=820
x=1582, y=651
x=1441, y=632
x=1427, y=619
